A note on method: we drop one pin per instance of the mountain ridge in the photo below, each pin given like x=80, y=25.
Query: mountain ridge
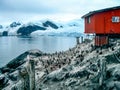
x=44, y=27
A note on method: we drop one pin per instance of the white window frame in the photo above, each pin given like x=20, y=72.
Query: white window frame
x=115, y=19
x=88, y=19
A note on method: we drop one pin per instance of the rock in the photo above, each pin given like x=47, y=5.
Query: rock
x=35, y=52
x=15, y=24
x=27, y=30
x=13, y=77
x=117, y=85
x=23, y=72
x=113, y=78
x=116, y=72
x=3, y=81
x=64, y=69
x=108, y=74
x=4, y=69
x=1, y=26
x=83, y=76
x=80, y=74
x=111, y=59
x=14, y=88
x=5, y=33
x=71, y=82
x=18, y=61
x=51, y=24
x=94, y=67
x=56, y=76
x=87, y=40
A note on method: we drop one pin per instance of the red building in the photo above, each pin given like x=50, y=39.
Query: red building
x=104, y=23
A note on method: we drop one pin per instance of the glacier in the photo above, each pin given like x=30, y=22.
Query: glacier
x=43, y=28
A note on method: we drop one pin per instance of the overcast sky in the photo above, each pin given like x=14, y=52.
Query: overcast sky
x=31, y=10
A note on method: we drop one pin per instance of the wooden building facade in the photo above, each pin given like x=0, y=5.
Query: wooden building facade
x=103, y=23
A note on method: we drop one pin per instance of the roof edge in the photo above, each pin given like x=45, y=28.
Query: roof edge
x=99, y=11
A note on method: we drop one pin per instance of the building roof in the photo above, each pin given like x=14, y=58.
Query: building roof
x=101, y=10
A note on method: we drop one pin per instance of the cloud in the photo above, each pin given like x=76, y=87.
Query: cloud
x=54, y=6
x=30, y=6
x=64, y=9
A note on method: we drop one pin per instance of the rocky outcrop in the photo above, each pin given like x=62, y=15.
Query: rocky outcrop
x=80, y=68
x=1, y=26
x=15, y=24
x=20, y=60
x=5, y=33
x=27, y=30
x=51, y=24
x=3, y=81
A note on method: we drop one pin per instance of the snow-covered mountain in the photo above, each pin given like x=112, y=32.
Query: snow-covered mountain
x=44, y=27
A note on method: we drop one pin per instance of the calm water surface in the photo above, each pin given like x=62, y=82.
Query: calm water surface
x=11, y=47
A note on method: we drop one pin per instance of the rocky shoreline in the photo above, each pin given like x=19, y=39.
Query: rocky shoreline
x=83, y=67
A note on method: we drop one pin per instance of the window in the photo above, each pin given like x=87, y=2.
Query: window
x=115, y=19
x=88, y=20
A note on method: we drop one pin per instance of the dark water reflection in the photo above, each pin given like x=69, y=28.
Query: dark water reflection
x=11, y=47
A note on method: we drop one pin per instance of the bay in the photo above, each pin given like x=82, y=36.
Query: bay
x=13, y=46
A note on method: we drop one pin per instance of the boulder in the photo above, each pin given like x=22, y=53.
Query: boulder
x=3, y=81
x=56, y=75
x=13, y=77
x=117, y=85
x=71, y=82
x=81, y=73
x=4, y=70
x=93, y=67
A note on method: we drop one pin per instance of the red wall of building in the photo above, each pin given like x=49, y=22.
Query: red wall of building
x=101, y=23
x=90, y=27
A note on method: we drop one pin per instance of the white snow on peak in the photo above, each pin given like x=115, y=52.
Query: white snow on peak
x=71, y=28
x=74, y=27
